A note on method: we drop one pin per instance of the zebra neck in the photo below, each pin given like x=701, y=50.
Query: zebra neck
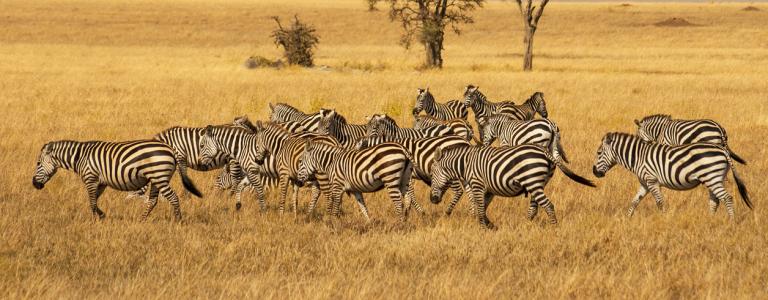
x=429, y=106
x=68, y=154
x=528, y=110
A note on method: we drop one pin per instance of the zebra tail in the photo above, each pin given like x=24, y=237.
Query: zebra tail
x=566, y=171
x=559, y=146
x=739, y=183
x=189, y=185
x=735, y=156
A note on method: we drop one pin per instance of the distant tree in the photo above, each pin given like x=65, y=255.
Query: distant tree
x=530, y=15
x=298, y=41
x=372, y=5
x=426, y=20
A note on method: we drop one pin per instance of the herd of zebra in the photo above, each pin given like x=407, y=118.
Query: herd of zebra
x=332, y=157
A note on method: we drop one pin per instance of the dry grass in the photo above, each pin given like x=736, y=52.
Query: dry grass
x=123, y=70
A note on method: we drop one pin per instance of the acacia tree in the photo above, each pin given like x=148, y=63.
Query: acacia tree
x=298, y=41
x=531, y=16
x=426, y=21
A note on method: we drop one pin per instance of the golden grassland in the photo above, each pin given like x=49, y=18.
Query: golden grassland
x=121, y=70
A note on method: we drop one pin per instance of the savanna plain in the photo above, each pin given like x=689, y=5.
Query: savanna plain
x=123, y=70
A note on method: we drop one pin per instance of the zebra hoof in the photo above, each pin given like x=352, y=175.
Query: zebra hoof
x=238, y=206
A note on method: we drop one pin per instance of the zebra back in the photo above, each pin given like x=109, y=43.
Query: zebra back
x=425, y=101
x=527, y=110
x=335, y=125
x=460, y=127
x=381, y=124
x=282, y=112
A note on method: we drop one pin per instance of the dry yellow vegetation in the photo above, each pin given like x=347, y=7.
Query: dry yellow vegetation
x=121, y=70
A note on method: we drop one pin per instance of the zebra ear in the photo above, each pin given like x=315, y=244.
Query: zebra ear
x=438, y=154
x=367, y=118
x=208, y=129
x=427, y=90
x=608, y=139
x=46, y=148
x=637, y=123
x=271, y=107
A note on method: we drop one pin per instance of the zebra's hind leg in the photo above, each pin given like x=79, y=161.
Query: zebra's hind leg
x=396, y=196
x=714, y=203
x=94, y=192
x=169, y=195
x=543, y=201
x=636, y=200
x=139, y=193
x=361, y=203
x=255, y=181
x=150, y=202
x=477, y=194
x=533, y=209
x=411, y=198
x=295, y=200
x=718, y=190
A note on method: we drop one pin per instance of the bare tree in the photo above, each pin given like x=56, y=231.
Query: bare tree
x=426, y=20
x=531, y=16
x=298, y=41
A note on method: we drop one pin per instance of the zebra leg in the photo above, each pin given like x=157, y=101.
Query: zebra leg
x=334, y=206
x=315, y=196
x=283, y=193
x=181, y=165
x=714, y=203
x=150, y=202
x=655, y=190
x=458, y=190
x=411, y=197
x=717, y=189
x=541, y=198
x=139, y=193
x=477, y=194
x=169, y=195
x=361, y=203
x=253, y=178
x=295, y=200
x=636, y=200
x=94, y=192
x=533, y=209
x=397, y=199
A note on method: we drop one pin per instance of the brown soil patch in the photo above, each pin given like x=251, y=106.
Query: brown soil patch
x=625, y=4
x=674, y=22
x=750, y=8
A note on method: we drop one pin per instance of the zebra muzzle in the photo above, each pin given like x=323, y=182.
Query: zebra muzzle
x=37, y=185
x=597, y=173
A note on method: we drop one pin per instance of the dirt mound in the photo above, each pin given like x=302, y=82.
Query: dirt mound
x=625, y=4
x=750, y=8
x=674, y=22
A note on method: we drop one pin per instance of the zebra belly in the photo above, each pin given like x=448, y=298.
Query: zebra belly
x=132, y=185
x=364, y=188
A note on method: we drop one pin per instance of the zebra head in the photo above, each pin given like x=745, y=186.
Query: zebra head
x=377, y=125
x=308, y=163
x=649, y=128
x=487, y=129
x=46, y=167
x=420, y=98
x=245, y=123
x=325, y=125
x=471, y=95
x=606, y=156
x=209, y=147
x=538, y=104
x=261, y=149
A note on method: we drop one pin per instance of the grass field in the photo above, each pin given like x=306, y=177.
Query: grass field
x=121, y=70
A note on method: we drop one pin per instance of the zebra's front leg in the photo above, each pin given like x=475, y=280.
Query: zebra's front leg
x=411, y=198
x=253, y=177
x=334, y=207
x=361, y=203
x=94, y=192
x=478, y=195
x=636, y=200
x=150, y=202
x=296, y=200
x=655, y=190
x=458, y=191
x=315, y=188
x=283, y=193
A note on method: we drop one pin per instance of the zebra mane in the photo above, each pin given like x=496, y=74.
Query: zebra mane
x=613, y=136
x=656, y=117
x=339, y=119
x=534, y=96
x=287, y=108
x=387, y=119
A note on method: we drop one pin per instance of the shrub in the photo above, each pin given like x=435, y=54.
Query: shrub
x=298, y=41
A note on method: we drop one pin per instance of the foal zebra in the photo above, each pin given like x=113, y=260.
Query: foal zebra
x=481, y=106
x=665, y=130
x=453, y=109
x=124, y=166
x=513, y=132
x=368, y=170
x=284, y=113
x=383, y=125
x=335, y=125
x=422, y=152
x=460, y=127
x=503, y=171
x=676, y=167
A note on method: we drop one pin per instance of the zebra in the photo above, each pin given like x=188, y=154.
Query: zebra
x=665, y=130
x=230, y=178
x=282, y=113
x=124, y=166
x=503, y=171
x=422, y=151
x=512, y=132
x=386, y=165
x=460, y=127
x=453, y=109
x=481, y=106
x=290, y=126
x=278, y=151
x=675, y=167
x=335, y=125
x=239, y=144
x=383, y=125
x=529, y=108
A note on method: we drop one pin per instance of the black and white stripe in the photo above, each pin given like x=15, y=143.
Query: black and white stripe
x=422, y=153
x=384, y=166
x=675, y=167
x=503, y=171
x=383, y=125
x=512, y=132
x=529, y=108
x=481, y=106
x=124, y=166
x=460, y=127
x=284, y=113
x=453, y=109
x=665, y=130
x=335, y=125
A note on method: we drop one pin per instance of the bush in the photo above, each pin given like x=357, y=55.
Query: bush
x=298, y=41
